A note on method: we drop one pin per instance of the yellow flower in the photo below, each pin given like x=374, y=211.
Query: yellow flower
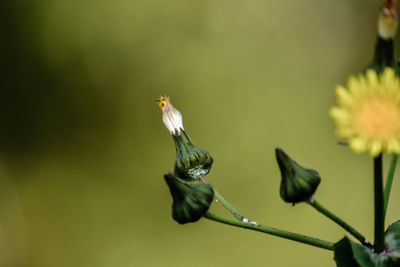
x=368, y=112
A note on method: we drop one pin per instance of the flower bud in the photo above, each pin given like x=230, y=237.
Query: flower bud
x=298, y=184
x=387, y=20
x=172, y=118
x=384, y=48
x=190, y=199
x=191, y=161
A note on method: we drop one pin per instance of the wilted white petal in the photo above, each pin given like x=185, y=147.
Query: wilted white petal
x=172, y=118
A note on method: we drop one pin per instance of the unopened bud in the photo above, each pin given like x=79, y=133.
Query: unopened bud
x=191, y=161
x=387, y=20
x=191, y=200
x=298, y=184
x=172, y=118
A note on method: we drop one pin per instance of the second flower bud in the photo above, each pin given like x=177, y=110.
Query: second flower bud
x=298, y=184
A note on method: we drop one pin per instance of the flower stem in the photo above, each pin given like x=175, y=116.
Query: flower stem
x=224, y=202
x=379, y=206
x=228, y=205
x=339, y=221
x=272, y=231
x=389, y=181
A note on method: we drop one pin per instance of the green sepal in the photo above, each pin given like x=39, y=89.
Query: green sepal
x=351, y=254
x=191, y=161
x=384, y=56
x=297, y=183
x=191, y=200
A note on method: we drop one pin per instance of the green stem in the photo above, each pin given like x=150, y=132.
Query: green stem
x=384, y=55
x=379, y=206
x=224, y=202
x=339, y=221
x=228, y=205
x=389, y=181
x=272, y=231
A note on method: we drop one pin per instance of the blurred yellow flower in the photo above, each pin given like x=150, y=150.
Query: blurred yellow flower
x=368, y=112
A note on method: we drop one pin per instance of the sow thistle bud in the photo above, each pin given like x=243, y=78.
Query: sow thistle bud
x=298, y=184
x=384, y=48
x=191, y=162
x=190, y=199
x=387, y=21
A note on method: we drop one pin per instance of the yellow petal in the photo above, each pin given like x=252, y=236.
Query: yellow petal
x=393, y=146
x=375, y=148
x=354, y=85
x=372, y=77
x=358, y=145
x=343, y=96
x=388, y=76
x=345, y=132
x=339, y=114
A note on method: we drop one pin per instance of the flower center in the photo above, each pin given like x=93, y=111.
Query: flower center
x=378, y=118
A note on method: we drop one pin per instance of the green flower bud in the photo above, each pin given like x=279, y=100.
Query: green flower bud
x=298, y=184
x=384, y=55
x=387, y=20
x=191, y=161
x=190, y=199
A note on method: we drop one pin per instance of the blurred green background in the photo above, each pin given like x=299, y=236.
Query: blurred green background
x=83, y=148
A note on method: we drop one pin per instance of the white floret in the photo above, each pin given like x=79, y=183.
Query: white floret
x=172, y=119
x=198, y=171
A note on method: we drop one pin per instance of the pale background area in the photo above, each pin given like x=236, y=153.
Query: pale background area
x=83, y=148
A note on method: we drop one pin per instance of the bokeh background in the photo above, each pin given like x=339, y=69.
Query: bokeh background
x=83, y=148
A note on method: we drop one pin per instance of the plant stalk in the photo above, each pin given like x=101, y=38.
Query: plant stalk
x=389, y=181
x=228, y=205
x=379, y=206
x=339, y=221
x=272, y=231
x=225, y=202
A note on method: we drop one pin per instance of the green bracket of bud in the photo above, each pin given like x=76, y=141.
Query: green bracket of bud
x=191, y=200
x=191, y=161
x=384, y=56
x=298, y=184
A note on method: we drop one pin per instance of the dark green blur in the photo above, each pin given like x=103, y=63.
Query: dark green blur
x=83, y=148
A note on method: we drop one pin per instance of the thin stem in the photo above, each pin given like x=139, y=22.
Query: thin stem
x=273, y=231
x=228, y=205
x=379, y=206
x=224, y=202
x=389, y=181
x=339, y=221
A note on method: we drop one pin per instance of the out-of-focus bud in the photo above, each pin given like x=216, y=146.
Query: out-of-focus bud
x=298, y=184
x=384, y=48
x=190, y=199
x=191, y=162
x=387, y=21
